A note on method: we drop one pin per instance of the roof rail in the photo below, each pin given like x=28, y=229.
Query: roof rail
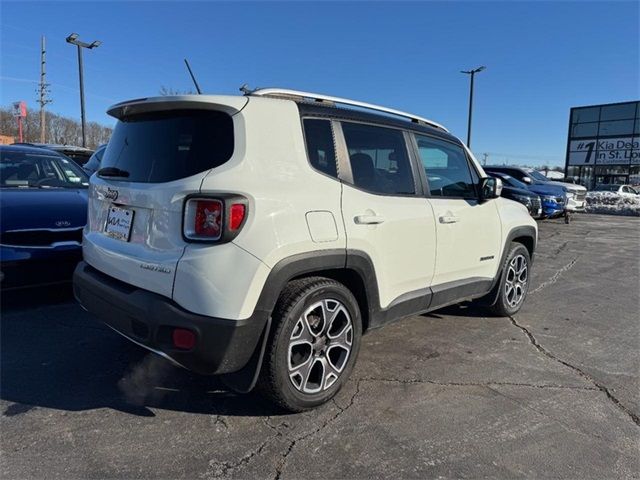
x=318, y=97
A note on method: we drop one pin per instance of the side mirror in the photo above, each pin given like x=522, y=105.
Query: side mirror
x=526, y=180
x=490, y=188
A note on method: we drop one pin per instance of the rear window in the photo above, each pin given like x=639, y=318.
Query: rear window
x=165, y=146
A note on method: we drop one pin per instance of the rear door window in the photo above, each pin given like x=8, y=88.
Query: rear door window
x=379, y=159
x=165, y=146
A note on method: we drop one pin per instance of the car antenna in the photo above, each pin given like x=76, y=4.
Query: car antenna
x=193, y=77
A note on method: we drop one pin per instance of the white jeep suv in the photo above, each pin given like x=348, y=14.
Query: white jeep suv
x=258, y=237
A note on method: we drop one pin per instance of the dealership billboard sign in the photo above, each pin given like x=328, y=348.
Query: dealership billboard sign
x=605, y=151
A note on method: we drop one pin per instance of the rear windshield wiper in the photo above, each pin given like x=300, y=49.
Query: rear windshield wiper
x=112, y=172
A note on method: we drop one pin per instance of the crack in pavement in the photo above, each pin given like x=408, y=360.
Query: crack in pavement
x=283, y=462
x=579, y=371
x=223, y=469
x=220, y=420
x=560, y=249
x=554, y=278
x=410, y=381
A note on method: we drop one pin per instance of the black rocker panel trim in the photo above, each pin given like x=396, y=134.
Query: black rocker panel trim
x=455, y=292
x=410, y=303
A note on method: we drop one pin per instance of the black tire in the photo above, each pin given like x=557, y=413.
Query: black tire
x=296, y=299
x=505, y=305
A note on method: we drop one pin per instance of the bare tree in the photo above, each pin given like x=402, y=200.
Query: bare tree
x=59, y=129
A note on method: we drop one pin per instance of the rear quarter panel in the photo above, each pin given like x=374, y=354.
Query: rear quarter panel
x=275, y=175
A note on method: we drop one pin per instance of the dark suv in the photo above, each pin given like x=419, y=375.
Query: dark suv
x=518, y=192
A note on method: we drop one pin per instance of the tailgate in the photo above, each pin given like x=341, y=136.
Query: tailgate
x=148, y=258
x=160, y=151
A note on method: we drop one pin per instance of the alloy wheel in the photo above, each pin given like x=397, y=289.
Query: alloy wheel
x=516, y=281
x=320, y=346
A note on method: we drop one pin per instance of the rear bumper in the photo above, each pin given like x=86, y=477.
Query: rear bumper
x=148, y=319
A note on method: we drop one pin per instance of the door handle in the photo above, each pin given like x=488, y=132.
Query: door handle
x=449, y=219
x=368, y=219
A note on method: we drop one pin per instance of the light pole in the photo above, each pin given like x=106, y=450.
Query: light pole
x=74, y=40
x=472, y=73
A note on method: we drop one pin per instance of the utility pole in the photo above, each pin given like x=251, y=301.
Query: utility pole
x=73, y=39
x=43, y=91
x=472, y=73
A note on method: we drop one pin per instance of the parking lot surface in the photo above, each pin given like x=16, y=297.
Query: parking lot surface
x=552, y=392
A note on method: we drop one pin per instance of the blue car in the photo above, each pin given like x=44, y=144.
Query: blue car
x=558, y=198
x=552, y=199
x=43, y=209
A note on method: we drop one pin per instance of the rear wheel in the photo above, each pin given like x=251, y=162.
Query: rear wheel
x=514, y=281
x=313, y=344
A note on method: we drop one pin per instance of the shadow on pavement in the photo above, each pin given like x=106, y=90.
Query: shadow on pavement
x=469, y=310
x=55, y=355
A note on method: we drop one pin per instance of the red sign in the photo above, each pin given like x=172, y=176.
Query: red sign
x=19, y=109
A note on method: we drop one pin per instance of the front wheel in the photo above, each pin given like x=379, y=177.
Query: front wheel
x=514, y=281
x=313, y=345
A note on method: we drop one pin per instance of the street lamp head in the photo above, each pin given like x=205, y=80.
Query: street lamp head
x=475, y=70
x=72, y=38
x=95, y=44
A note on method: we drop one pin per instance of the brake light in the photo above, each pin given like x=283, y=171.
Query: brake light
x=214, y=219
x=208, y=219
x=236, y=216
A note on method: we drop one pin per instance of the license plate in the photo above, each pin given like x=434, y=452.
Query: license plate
x=119, y=221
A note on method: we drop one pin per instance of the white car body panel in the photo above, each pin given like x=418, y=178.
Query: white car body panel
x=275, y=165
x=402, y=247
x=469, y=239
x=224, y=281
x=148, y=260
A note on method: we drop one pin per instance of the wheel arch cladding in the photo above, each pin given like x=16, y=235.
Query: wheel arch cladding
x=527, y=242
x=354, y=282
x=353, y=269
x=524, y=235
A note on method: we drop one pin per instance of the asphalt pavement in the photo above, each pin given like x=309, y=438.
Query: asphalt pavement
x=552, y=392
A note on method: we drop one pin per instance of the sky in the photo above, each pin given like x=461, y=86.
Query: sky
x=542, y=58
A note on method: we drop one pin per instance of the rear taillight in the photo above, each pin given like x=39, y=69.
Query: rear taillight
x=216, y=219
x=236, y=216
x=208, y=219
